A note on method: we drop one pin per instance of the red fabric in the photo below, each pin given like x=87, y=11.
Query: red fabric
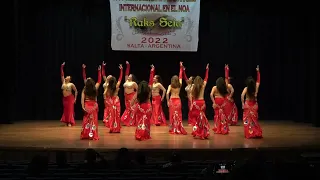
x=143, y=116
x=152, y=73
x=90, y=121
x=201, y=128
x=84, y=75
x=121, y=74
x=185, y=77
x=113, y=104
x=252, y=128
x=127, y=70
x=258, y=76
x=106, y=114
x=220, y=125
x=231, y=112
x=191, y=119
x=206, y=75
x=61, y=71
x=158, y=117
x=175, y=117
x=99, y=76
x=128, y=117
x=68, y=110
x=226, y=72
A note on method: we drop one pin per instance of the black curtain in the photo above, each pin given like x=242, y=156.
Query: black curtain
x=277, y=37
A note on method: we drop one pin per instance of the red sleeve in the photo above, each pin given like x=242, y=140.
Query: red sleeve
x=258, y=76
x=121, y=74
x=127, y=70
x=185, y=77
x=152, y=72
x=226, y=72
x=181, y=72
x=61, y=71
x=99, y=76
x=103, y=70
x=207, y=75
x=84, y=75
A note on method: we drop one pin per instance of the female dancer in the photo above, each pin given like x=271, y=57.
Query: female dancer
x=231, y=109
x=106, y=112
x=113, y=102
x=198, y=107
x=252, y=128
x=158, y=117
x=174, y=104
x=90, y=108
x=130, y=88
x=68, y=99
x=218, y=96
x=189, y=81
x=143, y=111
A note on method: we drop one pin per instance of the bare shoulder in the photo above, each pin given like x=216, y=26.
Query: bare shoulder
x=214, y=87
x=230, y=86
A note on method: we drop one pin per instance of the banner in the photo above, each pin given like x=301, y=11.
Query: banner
x=155, y=25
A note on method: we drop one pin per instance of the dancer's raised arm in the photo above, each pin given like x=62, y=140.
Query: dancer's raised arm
x=127, y=73
x=62, y=73
x=120, y=77
x=152, y=73
x=99, y=78
x=258, y=81
x=206, y=76
x=185, y=77
x=84, y=75
x=103, y=71
x=181, y=73
x=226, y=73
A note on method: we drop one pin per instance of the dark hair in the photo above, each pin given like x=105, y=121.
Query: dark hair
x=197, y=85
x=175, y=82
x=134, y=78
x=112, y=86
x=192, y=79
x=143, y=92
x=158, y=78
x=222, y=86
x=90, y=88
x=251, y=87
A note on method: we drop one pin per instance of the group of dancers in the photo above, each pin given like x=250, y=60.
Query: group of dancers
x=142, y=113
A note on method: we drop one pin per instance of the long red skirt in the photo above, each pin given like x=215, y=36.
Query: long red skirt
x=113, y=104
x=106, y=114
x=231, y=112
x=90, y=121
x=158, y=117
x=220, y=125
x=175, y=117
x=252, y=128
x=68, y=110
x=191, y=119
x=143, y=113
x=201, y=128
x=127, y=117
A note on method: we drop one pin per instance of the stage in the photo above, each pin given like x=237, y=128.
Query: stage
x=52, y=135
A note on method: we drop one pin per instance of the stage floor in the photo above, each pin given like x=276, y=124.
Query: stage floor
x=54, y=135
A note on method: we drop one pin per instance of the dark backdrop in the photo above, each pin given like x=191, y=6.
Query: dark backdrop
x=280, y=38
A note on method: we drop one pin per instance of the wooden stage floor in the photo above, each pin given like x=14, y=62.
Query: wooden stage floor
x=54, y=135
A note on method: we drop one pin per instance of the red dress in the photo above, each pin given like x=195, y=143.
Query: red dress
x=175, y=117
x=68, y=110
x=106, y=114
x=90, y=121
x=252, y=128
x=231, y=112
x=220, y=125
x=113, y=104
x=128, y=117
x=201, y=128
x=143, y=114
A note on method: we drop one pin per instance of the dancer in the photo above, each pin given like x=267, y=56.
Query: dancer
x=218, y=96
x=174, y=104
x=143, y=111
x=113, y=102
x=130, y=88
x=68, y=99
x=252, y=128
x=198, y=107
x=189, y=81
x=158, y=117
x=90, y=108
x=231, y=109
x=106, y=111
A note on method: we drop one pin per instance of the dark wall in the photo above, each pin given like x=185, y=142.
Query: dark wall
x=280, y=40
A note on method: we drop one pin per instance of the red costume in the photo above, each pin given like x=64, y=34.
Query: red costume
x=158, y=117
x=191, y=119
x=68, y=104
x=252, y=128
x=113, y=103
x=143, y=113
x=128, y=117
x=231, y=110
x=220, y=125
x=106, y=111
x=198, y=109
x=90, y=117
